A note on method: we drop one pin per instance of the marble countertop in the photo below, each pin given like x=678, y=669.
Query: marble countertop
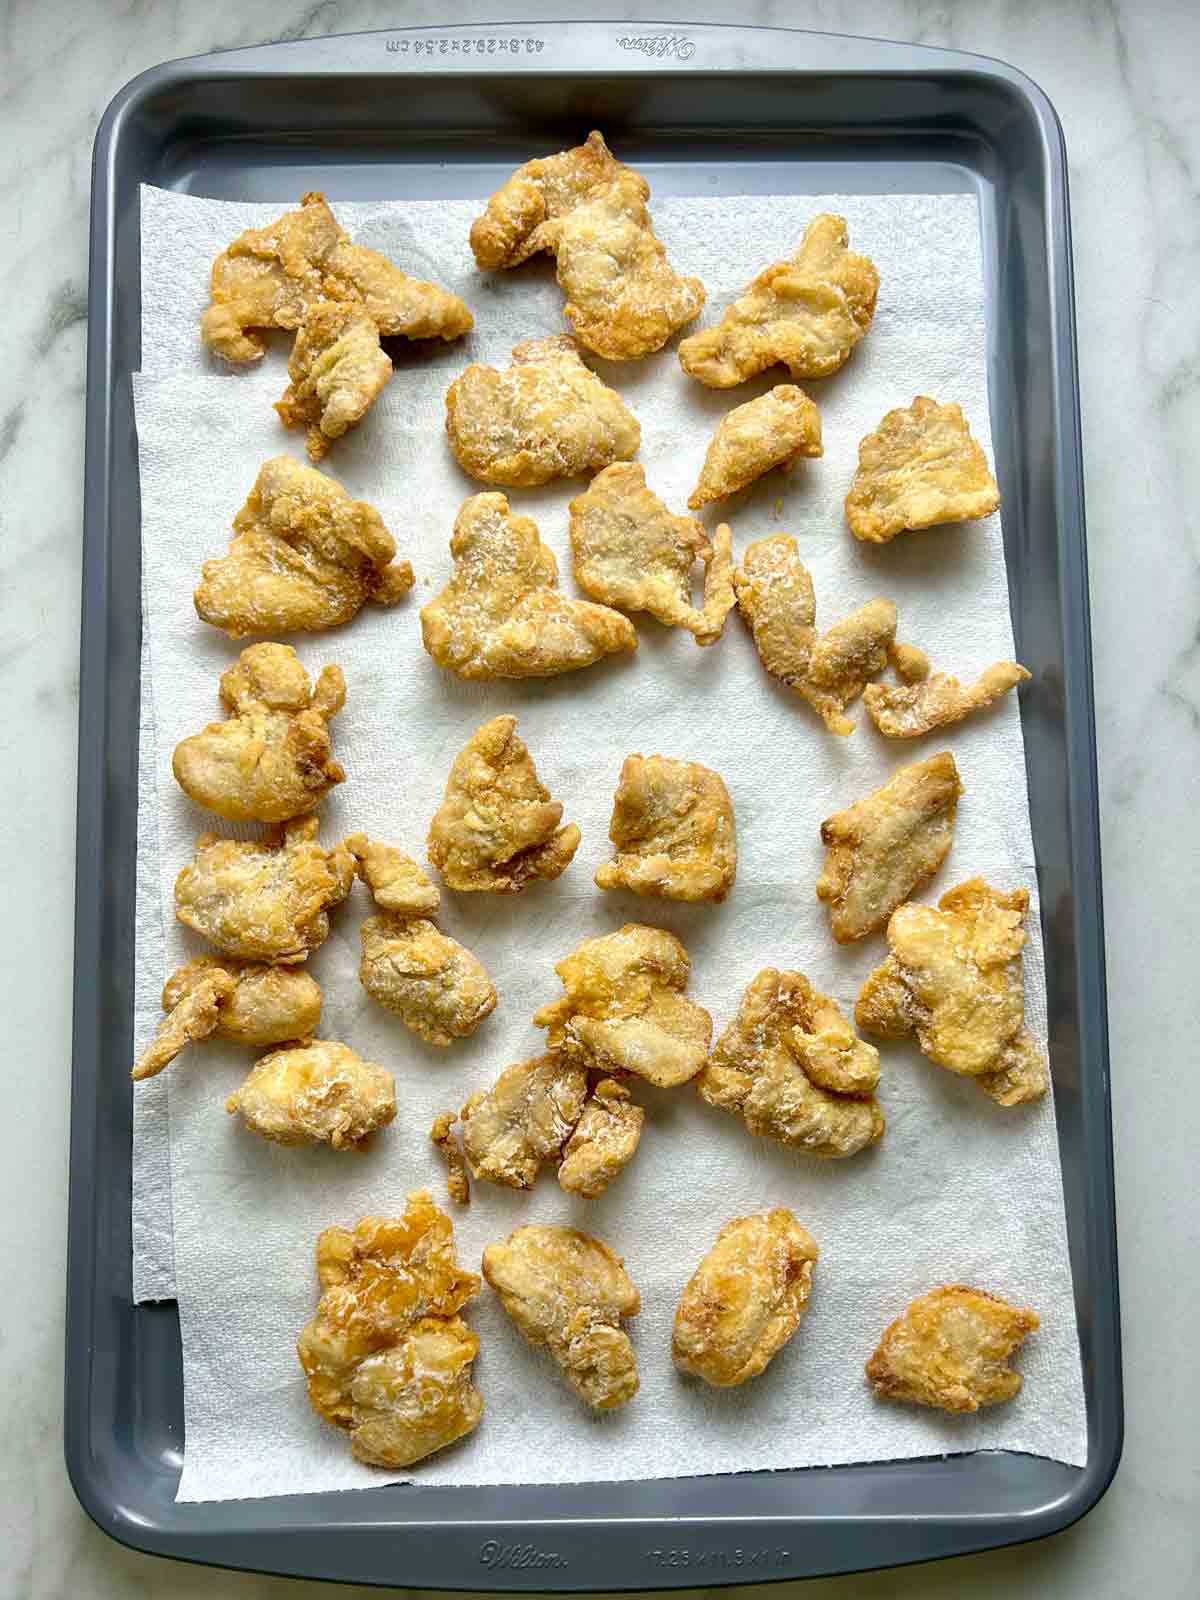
x=1121, y=74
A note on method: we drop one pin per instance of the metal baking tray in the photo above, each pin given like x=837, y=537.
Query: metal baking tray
x=703, y=110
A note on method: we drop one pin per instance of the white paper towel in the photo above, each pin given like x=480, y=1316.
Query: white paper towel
x=958, y=1190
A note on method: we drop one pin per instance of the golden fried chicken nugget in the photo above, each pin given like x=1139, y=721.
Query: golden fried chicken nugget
x=387, y=1357
x=237, y=1000
x=546, y=416
x=304, y=555
x=458, y=1184
x=568, y=1291
x=497, y=829
x=265, y=900
x=953, y=977
x=775, y=430
x=624, y=299
x=271, y=759
x=673, y=829
x=745, y=1299
x=951, y=1349
x=395, y=880
x=604, y=1141
x=512, y=1129
x=625, y=1009
x=525, y=214
x=793, y=1069
x=904, y=711
x=430, y=981
x=316, y=1093
x=337, y=369
x=844, y=658
x=920, y=467
x=501, y=615
x=882, y=849
x=807, y=313
x=275, y=277
x=630, y=551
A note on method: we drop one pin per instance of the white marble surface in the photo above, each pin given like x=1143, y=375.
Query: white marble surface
x=1121, y=73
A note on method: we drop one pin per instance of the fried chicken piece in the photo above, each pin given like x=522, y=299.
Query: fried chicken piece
x=395, y=880
x=907, y=710
x=336, y=370
x=501, y=615
x=793, y=1069
x=775, y=430
x=807, y=313
x=625, y=1010
x=745, y=1299
x=920, y=467
x=497, y=828
x=545, y=416
x=264, y=900
x=236, y=1000
x=951, y=1349
x=275, y=277
x=458, y=1184
x=568, y=1291
x=522, y=1122
x=304, y=555
x=624, y=299
x=882, y=849
x=526, y=214
x=387, y=1357
x=604, y=1142
x=953, y=977
x=775, y=595
x=316, y=1093
x=630, y=551
x=673, y=830
x=910, y=662
x=430, y=981
x=270, y=760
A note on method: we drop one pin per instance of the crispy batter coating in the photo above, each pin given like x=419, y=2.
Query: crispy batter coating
x=604, y=1142
x=430, y=981
x=630, y=551
x=545, y=416
x=336, y=371
x=880, y=850
x=775, y=595
x=910, y=662
x=793, y=1069
x=316, y=1093
x=906, y=710
x=458, y=1184
x=745, y=1299
x=264, y=900
x=512, y=1129
x=775, y=430
x=920, y=467
x=237, y=1000
x=387, y=1357
x=807, y=312
x=501, y=615
x=568, y=1291
x=271, y=758
x=951, y=1349
x=673, y=830
x=395, y=880
x=953, y=977
x=304, y=555
x=275, y=277
x=625, y=1009
x=624, y=299
x=525, y=215
x=497, y=828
